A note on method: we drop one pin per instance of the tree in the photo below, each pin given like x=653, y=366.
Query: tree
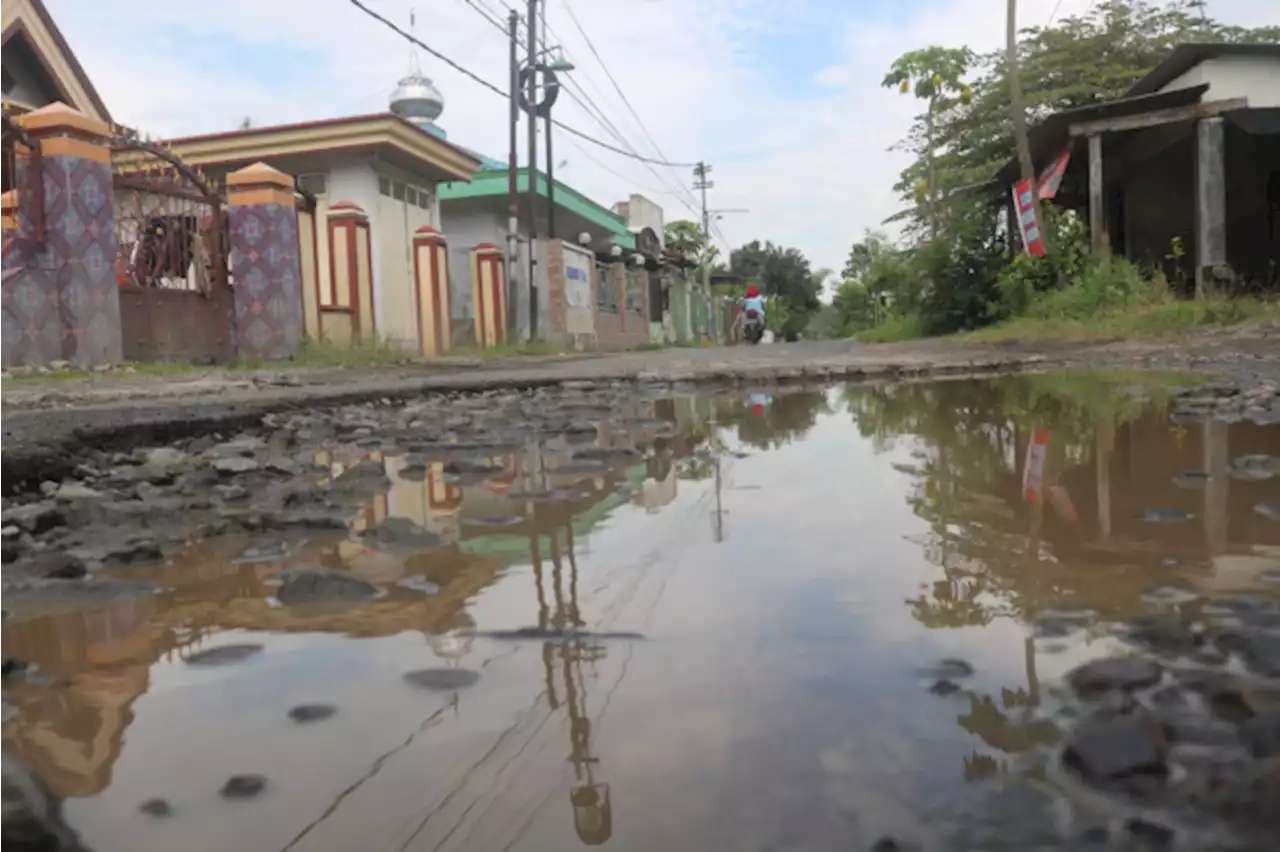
x=784, y=275
x=933, y=75
x=685, y=238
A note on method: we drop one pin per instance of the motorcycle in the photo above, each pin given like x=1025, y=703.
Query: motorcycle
x=753, y=328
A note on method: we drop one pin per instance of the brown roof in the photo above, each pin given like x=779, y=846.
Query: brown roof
x=77, y=69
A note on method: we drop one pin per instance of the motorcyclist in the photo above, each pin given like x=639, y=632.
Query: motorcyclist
x=753, y=301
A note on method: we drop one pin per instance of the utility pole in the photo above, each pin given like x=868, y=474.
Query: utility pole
x=700, y=182
x=1019, y=115
x=513, y=166
x=533, y=167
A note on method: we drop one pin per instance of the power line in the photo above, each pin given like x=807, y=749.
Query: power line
x=497, y=91
x=578, y=93
x=625, y=100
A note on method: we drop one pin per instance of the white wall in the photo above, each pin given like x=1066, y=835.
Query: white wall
x=466, y=222
x=1254, y=77
x=641, y=213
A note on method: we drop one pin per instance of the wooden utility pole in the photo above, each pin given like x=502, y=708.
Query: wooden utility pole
x=1023, y=144
x=533, y=168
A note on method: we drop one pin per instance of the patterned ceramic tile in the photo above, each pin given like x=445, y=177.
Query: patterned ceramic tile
x=266, y=267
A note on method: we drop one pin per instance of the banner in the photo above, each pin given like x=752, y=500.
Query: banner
x=1033, y=467
x=1051, y=178
x=1032, y=242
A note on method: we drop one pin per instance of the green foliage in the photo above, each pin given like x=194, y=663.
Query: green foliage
x=1021, y=282
x=785, y=277
x=952, y=271
x=685, y=238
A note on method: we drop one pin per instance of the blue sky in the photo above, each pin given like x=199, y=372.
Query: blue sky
x=782, y=99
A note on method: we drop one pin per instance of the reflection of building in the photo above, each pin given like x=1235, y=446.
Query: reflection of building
x=71, y=737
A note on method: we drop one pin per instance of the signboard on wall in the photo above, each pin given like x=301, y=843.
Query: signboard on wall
x=579, y=266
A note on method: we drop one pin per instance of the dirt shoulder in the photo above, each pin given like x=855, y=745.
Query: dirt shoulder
x=45, y=423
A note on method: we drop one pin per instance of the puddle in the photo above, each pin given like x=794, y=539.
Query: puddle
x=792, y=621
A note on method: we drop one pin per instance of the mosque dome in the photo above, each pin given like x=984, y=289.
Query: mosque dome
x=417, y=99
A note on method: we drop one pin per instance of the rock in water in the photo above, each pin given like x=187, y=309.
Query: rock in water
x=243, y=786
x=315, y=585
x=1166, y=515
x=401, y=533
x=158, y=808
x=443, y=680
x=223, y=655
x=1093, y=679
x=306, y=713
x=31, y=818
x=1112, y=749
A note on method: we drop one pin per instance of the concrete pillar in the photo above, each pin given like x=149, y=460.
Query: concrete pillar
x=431, y=282
x=9, y=212
x=489, y=283
x=60, y=296
x=266, y=265
x=1211, y=199
x=349, y=315
x=1097, y=199
x=1217, y=491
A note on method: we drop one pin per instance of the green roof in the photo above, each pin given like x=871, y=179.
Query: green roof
x=494, y=184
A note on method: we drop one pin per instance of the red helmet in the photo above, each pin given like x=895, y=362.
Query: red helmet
x=752, y=292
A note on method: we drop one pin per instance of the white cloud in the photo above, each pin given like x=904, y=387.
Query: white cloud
x=814, y=171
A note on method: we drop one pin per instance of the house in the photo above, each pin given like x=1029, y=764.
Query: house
x=580, y=276
x=1183, y=171
x=39, y=69
x=372, y=183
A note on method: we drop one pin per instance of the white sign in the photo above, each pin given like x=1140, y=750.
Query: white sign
x=579, y=266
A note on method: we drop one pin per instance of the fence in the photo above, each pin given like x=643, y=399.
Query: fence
x=176, y=302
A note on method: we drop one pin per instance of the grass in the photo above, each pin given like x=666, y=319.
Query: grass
x=1143, y=321
x=893, y=329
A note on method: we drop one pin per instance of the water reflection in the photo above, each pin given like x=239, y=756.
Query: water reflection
x=762, y=536
x=1067, y=498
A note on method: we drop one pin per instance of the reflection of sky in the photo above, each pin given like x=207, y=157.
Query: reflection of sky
x=778, y=699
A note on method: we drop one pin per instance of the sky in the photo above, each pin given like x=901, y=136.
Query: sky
x=785, y=106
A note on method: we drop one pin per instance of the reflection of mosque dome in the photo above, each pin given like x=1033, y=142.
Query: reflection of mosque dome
x=417, y=99
x=451, y=645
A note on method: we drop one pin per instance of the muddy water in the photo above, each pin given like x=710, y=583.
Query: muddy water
x=737, y=642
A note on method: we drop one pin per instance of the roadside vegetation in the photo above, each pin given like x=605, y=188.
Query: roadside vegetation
x=955, y=269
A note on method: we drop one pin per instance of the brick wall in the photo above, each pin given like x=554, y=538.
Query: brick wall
x=556, y=308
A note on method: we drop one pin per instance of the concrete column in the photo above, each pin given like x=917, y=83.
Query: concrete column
x=266, y=264
x=1105, y=443
x=1211, y=199
x=431, y=282
x=348, y=314
x=1097, y=198
x=1217, y=490
x=9, y=213
x=60, y=297
x=489, y=283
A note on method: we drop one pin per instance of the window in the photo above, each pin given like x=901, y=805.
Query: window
x=384, y=186
x=397, y=191
x=424, y=199
x=411, y=195
x=313, y=184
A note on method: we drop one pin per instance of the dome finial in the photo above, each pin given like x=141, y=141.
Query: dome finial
x=415, y=97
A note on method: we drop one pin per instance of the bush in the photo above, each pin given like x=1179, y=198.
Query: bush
x=1026, y=278
x=1107, y=285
